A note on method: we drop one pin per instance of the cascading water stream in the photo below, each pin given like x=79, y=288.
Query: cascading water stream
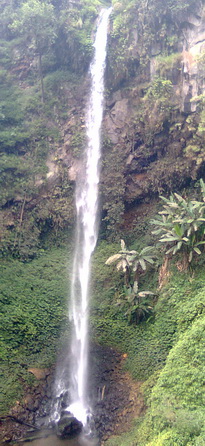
x=86, y=237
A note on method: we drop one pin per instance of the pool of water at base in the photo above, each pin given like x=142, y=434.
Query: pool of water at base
x=53, y=440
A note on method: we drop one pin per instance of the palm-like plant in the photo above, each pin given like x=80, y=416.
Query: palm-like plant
x=181, y=224
x=135, y=261
x=139, y=305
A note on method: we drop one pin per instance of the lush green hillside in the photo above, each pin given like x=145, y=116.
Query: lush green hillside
x=33, y=314
x=166, y=351
x=153, y=144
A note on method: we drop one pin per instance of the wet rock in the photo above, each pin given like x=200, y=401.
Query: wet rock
x=68, y=426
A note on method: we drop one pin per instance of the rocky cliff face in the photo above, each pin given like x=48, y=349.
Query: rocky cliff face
x=193, y=47
x=153, y=124
x=153, y=115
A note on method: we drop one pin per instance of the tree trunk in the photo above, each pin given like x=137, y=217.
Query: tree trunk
x=41, y=78
x=127, y=276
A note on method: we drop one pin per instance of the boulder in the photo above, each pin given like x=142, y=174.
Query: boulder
x=68, y=426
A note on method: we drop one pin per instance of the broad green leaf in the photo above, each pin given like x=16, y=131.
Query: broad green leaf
x=179, y=230
x=122, y=244
x=179, y=245
x=143, y=265
x=157, y=222
x=135, y=286
x=189, y=232
x=170, y=250
x=149, y=260
x=169, y=239
x=157, y=232
x=145, y=293
x=175, y=250
x=130, y=259
x=113, y=259
x=135, y=266
x=197, y=250
x=179, y=197
x=147, y=249
x=174, y=205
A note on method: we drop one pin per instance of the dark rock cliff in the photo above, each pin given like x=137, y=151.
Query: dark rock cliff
x=153, y=119
x=153, y=128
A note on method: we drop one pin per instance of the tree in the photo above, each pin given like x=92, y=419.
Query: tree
x=35, y=19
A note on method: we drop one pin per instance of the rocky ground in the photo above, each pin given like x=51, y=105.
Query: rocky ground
x=117, y=399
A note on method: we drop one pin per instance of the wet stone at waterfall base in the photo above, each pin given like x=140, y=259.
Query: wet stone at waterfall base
x=109, y=390
x=68, y=425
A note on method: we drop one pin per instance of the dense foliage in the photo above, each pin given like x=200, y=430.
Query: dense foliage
x=33, y=313
x=45, y=51
x=167, y=351
x=133, y=263
x=181, y=225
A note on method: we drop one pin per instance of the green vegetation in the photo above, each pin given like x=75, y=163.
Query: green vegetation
x=45, y=51
x=33, y=314
x=181, y=224
x=167, y=351
x=138, y=306
x=133, y=263
x=152, y=22
x=35, y=20
x=112, y=191
x=166, y=64
x=177, y=400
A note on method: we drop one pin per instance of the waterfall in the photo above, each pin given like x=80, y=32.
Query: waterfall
x=86, y=236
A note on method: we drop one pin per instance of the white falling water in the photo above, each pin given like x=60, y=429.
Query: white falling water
x=86, y=233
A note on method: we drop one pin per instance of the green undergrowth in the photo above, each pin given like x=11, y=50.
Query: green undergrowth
x=175, y=414
x=167, y=353
x=33, y=314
